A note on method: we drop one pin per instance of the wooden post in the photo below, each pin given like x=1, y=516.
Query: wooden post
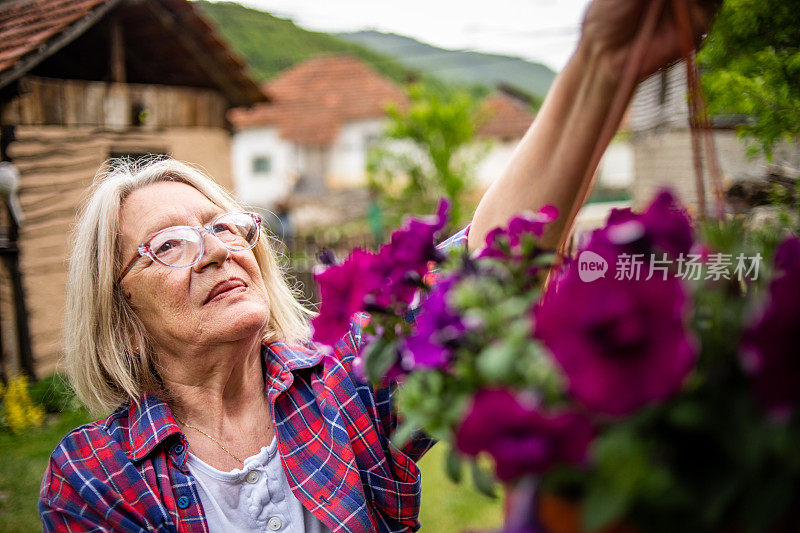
x=10, y=256
x=117, y=52
x=3, y=359
x=26, y=363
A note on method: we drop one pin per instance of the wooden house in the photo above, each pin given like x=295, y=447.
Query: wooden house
x=659, y=120
x=82, y=81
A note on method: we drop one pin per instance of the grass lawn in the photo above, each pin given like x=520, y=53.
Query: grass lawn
x=446, y=507
x=23, y=459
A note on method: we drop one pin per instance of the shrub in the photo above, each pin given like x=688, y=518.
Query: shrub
x=54, y=394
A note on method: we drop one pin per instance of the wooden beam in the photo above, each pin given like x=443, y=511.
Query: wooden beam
x=213, y=69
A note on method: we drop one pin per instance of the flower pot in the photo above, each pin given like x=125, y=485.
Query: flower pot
x=559, y=515
x=528, y=509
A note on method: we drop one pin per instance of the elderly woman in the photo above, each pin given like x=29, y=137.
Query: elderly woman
x=227, y=417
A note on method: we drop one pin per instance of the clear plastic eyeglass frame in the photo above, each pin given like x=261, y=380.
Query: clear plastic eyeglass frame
x=144, y=249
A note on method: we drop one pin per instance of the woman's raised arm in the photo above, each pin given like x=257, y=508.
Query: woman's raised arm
x=549, y=164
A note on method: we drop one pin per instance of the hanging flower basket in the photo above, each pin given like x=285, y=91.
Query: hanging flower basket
x=654, y=375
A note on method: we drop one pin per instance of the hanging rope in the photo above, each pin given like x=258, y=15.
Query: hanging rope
x=699, y=123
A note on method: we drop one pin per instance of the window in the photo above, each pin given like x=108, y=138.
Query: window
x=371, y=139
x=262, y=165
x=663, y=89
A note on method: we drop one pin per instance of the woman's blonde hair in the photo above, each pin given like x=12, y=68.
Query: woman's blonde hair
x=109, y=359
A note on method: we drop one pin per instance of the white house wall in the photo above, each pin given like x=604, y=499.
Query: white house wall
x=494, y=161
x=349, y=153
x=343, y=163
x=617, y=165
x=664, y=159
x=262, y=190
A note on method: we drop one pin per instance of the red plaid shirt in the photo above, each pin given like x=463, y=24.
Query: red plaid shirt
x=128, y=472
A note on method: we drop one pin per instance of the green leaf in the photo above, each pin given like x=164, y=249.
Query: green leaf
x=545, y=259
x=483, y=480
x=402, y=434
x=720, y=499
x=454, y=465
x=496, y=363
x=379, y=358
x=769, y=501
x=687, y=415
x=602, y=506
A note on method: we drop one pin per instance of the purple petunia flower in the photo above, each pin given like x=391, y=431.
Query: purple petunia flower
x=668, y=224
x=365, y=280
x=621, y=215
x=438, y=329
x=524, y=224
x=664, y=225
x=787, y=256
x=620, y=344
x=770, y=345
x=342, y=290
x=402, y=262
x=521, y=437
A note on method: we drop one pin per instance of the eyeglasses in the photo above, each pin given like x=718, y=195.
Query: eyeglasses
x=183, y=246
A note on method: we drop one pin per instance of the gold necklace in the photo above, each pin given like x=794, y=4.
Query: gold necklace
x=218, y=443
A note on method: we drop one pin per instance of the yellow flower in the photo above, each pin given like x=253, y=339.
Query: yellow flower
x=20, y=411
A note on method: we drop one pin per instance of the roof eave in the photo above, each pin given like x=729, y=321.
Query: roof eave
x=242, y=92
x=26, y=63
x=229, y=74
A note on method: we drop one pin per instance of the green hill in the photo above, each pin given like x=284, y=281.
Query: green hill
x=457, y=66
x=272, y=44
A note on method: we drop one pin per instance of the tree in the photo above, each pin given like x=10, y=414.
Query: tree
x=751, y=64
x=439, y=125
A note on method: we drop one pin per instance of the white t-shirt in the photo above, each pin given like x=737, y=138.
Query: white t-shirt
x=255, y=498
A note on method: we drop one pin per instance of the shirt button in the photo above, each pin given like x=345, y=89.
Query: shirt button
x=177, y=449
x=183, y=502
x=252, y=477
x=274, y=523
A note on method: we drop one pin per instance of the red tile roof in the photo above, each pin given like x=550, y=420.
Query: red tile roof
x=26, y=26
x=310, y=101
x=507, y=117
x=33, y=30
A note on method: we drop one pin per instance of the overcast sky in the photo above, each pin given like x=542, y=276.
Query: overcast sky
x=538, y=30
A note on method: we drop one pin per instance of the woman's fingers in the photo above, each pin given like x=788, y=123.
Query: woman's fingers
x=610, y=28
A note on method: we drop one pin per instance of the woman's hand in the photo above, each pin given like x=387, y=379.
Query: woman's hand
x=610, y=27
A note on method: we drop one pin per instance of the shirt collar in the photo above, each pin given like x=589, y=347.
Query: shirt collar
x=150, y=420
x=292, y=356
x=150, y=423
x=282, y=359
